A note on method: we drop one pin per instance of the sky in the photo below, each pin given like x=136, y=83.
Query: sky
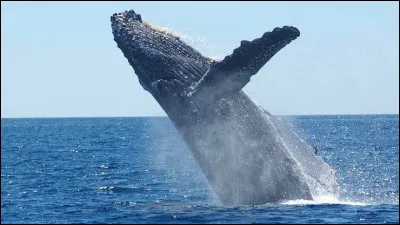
x=59, y=59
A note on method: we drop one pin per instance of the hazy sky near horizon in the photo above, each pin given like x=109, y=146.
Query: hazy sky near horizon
x=59, y=59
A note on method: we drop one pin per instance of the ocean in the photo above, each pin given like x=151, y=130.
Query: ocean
x=138, y=170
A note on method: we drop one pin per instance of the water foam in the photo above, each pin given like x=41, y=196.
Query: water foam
x=324, y=199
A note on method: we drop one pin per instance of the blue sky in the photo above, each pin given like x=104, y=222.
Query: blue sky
x=59, y=59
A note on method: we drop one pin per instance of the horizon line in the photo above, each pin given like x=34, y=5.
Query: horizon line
x=284, y=115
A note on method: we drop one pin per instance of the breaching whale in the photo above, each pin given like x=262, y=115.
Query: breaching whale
x=247, y=155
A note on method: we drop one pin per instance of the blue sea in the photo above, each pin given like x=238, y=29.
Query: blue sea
x=138, y=170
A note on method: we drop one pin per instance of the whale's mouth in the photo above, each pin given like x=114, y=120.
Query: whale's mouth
x=156, y=55
x=128, y=19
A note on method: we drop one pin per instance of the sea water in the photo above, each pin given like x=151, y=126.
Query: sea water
x=138, y=170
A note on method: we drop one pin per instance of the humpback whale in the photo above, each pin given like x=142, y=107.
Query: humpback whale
x=248, y=156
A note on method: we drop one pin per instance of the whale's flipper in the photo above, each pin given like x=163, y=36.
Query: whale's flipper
x=232, y=73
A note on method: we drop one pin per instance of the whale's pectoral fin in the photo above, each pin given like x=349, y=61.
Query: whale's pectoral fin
x=232, y=73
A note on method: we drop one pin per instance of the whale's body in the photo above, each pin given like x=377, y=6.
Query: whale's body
x=247, y=155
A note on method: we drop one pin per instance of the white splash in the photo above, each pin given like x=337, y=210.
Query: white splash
x=197, y=41
x=327, y=199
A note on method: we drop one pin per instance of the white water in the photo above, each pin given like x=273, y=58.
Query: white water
x=327, y=199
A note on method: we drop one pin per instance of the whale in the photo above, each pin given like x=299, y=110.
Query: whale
x=248, y=156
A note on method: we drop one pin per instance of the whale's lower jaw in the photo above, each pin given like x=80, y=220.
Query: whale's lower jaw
x=238, y=146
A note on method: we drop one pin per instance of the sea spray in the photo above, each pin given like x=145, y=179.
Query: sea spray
x=198, y=41
x=320, y=176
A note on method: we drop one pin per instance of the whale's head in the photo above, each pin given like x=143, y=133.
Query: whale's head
x=176, y=74
x=164, y=64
